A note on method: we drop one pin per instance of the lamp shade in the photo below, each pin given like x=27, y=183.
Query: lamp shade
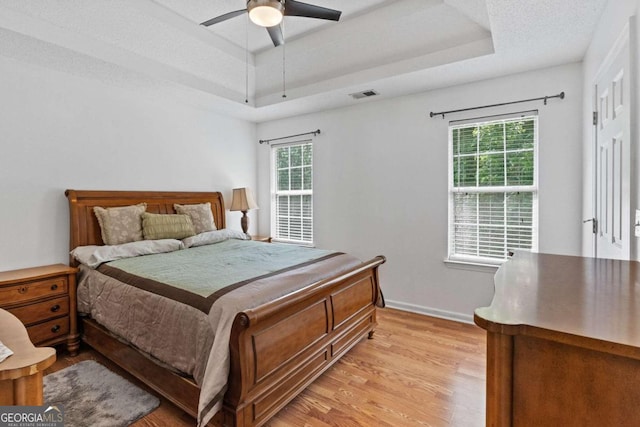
x=265, y=13
x=242, y=200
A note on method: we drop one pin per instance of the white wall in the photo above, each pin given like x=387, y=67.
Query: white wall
x=380, y=183
x=58, y=131
x=616, y=15
x=380, y=170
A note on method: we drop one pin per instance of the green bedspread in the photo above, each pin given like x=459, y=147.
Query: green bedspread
x=198, y=276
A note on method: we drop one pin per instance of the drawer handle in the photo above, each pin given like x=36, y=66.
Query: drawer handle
x=54, y=287
x=55, y=329
x=55, y=308
x=23, y=290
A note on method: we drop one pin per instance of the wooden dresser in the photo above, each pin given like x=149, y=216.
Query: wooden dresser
x=563, y=342
x=44, y=299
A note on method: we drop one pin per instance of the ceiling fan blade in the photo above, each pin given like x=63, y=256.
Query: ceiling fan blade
x=224, y=17
x=297, y=8
x=276, y=35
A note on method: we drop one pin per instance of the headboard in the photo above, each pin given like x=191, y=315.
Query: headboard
x=85, y=229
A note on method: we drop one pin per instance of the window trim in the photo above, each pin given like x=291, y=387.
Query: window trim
x=480, y=261
x=275, y=193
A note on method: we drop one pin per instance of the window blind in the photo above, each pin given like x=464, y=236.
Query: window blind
x=293, y=193
x=493, y=188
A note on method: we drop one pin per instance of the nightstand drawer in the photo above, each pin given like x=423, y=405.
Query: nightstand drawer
x=49, y=330
x=29, y=291
x=40, y=311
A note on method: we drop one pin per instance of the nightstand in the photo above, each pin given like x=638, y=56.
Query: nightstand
x=44, y=299
x=266, y=239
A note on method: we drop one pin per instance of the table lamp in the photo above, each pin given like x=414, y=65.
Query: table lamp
x=243, y=201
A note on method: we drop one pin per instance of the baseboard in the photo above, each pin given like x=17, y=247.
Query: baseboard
x=429, y=311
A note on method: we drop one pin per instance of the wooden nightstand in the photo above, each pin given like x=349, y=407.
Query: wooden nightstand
x=266, y=239
x=44, y=299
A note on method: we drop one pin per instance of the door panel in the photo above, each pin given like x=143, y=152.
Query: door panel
x=613, y=157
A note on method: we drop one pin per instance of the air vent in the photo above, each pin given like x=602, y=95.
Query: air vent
x=363, y=94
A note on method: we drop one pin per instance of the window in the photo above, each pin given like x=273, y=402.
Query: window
x=292, y=198
x=493, y=199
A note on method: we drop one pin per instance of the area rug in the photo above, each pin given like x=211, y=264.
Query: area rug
x=94, y=396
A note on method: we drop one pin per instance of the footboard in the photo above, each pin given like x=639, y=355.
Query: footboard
x=279, y=348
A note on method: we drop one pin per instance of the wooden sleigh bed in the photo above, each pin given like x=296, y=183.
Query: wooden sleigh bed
x=277, y=348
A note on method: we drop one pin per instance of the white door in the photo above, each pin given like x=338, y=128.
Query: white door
x=613, y=154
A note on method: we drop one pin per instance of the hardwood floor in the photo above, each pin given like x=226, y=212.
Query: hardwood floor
x=417, y=371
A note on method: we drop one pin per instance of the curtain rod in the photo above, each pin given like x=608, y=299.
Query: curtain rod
x=542, y=98
x=314, y=133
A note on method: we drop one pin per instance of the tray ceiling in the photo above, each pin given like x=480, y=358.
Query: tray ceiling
x=235, y=30
x=392, y=46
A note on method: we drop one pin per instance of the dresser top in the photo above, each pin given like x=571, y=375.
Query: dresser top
x=541, y=294
x=35, y=273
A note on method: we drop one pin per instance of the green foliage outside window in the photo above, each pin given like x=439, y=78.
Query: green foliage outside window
x=495, y=154
x=294, y=167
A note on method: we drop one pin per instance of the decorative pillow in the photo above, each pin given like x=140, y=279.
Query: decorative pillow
x=201, y=216
x=120, y=225
x=158, y=226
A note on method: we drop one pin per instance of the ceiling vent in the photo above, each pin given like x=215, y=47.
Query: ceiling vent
x=363, y=94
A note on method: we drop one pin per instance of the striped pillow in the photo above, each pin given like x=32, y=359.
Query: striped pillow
x=158, y=226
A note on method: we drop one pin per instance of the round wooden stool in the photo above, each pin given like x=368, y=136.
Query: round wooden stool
x=21, y=373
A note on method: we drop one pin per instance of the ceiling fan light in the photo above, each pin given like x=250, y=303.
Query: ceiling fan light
x=265, y=13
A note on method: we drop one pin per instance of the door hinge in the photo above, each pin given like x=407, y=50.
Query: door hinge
x=595, y=118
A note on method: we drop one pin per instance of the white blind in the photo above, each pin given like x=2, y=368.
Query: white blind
x=293, y=194
x=493, y=188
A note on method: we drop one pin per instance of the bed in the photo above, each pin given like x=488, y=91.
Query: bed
x=275, y=348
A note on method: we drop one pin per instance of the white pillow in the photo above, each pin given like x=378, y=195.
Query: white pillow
x=215, y=236
x=93, y=256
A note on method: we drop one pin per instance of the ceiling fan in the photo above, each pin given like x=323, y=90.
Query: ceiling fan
x=269, y=14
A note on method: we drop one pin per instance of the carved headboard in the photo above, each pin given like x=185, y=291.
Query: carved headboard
x=85, y=230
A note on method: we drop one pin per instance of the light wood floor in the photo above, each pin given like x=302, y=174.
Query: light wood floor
x=417, y=371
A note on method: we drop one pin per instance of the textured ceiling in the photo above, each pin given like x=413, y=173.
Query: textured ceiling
x=394, y=46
